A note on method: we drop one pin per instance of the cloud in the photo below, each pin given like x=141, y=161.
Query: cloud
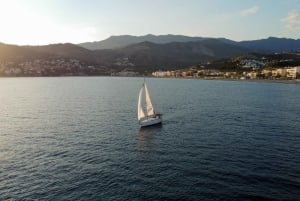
x=292, y=21
x=249, y=11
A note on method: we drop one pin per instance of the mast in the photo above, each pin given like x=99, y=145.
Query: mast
x=144, y=86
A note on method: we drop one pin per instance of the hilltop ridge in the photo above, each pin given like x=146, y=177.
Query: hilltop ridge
x=267, y=45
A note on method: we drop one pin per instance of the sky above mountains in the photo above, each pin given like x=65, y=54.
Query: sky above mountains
x=35, y=22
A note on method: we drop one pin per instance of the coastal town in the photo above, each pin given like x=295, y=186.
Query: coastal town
x=267, y=73
x=50, y=67
x=243, y=69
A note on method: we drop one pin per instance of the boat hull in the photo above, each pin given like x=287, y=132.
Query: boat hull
x=150, y=122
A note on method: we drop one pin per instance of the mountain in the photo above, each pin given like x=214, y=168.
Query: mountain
x=18, y=53
x=114, y=42
x=144, y=56
x=70, y=59
x=49, y=60
x=65, y=50
x=272, y=44
x=152, y=56
x=268, y=45
x=23, y=53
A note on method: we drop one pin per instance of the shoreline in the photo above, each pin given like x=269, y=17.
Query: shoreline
x=294, y=81
x=283, y=81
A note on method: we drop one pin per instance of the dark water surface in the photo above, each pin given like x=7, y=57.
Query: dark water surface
x=77, y=138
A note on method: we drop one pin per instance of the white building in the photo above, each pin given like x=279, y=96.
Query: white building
x=160, y=73
x=293, y=72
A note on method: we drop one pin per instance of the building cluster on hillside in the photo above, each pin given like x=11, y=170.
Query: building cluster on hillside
x=123, y=61
x=126, y=72
x=266, y=73
x=48, y=67
x=252, y=63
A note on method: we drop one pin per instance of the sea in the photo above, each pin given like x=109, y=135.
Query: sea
x=78, y=138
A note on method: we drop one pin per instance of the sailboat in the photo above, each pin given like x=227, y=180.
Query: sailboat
x=146, y=113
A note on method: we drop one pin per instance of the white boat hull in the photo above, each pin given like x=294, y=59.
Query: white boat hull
x=150, y=121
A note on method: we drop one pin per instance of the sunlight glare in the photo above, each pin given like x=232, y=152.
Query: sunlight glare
x=22, y=26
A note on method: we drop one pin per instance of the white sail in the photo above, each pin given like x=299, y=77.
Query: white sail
x=146, y=114
x=149, y=106
x=141, y=113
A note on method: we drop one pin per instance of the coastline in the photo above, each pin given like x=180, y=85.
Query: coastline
x=283, y=81
x=294, y=81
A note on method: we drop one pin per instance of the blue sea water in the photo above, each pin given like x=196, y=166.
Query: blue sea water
x=77, y=138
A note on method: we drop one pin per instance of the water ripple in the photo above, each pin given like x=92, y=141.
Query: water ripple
x=79, y=140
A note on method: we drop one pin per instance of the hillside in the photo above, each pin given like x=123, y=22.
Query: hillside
x=19, y=53
x=115, y=42
x=66, y=50
x=272, y=44
x=153, y=56
x=70, y=59
x=254, y=61
x=268, y=45
x=48, y=60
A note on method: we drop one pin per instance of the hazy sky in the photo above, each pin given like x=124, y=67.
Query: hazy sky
x=55, y=21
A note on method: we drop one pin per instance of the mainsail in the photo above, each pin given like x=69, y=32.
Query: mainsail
x=141, y=113
x=149, y=106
